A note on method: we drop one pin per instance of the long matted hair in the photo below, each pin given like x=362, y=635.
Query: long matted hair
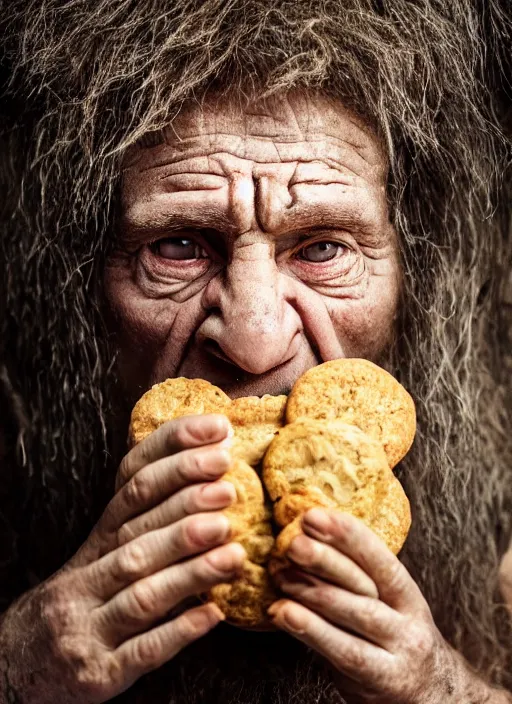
x=84, y=81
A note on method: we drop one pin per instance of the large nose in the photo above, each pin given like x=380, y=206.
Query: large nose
x=250, y=323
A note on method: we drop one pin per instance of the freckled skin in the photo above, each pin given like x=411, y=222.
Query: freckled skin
x=248, y=197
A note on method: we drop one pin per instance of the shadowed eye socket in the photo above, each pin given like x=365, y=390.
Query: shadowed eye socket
x=321, y=251
x=178, y=248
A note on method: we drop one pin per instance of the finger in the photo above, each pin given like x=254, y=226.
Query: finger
x=151, y=650
x=355, y=540
x=159, y=480
x=140, y=606
x=330, y=564
x=365, y=616
x=171, y=437
x=154, y=551
x=354, y=657
x=192, y=499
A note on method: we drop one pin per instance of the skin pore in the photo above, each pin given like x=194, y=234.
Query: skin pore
x=253, y=244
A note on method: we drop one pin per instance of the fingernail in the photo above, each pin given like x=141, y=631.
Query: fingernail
x=319, y=521
x=219, y=493
x=272, y=609
x=289, y=618
x=229, y=558
x=214, y=528
x=301, y=549
x=215, y=461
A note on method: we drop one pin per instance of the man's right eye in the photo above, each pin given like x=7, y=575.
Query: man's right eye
x=178, y=248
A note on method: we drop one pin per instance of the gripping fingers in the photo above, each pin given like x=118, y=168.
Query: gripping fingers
x=154, y=551
x=330, y=564
x=355, y=540
x=159, y=480
x=170, y=438
x=139, y=606
x=190, y=500
x=151, y=650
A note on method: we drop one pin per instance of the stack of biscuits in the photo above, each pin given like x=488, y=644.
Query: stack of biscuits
x=332, y=443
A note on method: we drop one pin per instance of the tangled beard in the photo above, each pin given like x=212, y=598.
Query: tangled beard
x=234, y=666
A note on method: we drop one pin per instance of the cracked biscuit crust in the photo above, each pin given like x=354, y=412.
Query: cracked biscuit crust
x=255, y=420
x=331, y=463
x=360, y=393
x=245, y=599
x=171, y=399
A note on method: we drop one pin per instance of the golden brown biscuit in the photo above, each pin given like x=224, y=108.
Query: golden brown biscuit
x=360, y=393
x=171, y=399
x=309, y=463
x=332, y=465
x=249, y=515
x=244, y=600
x=393, y=519
x=255, y=422
x=333, y=460
x=391, y=523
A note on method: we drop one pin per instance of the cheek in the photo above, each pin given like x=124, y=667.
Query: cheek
x=365, y=326
x=146, y=321
x=144, y=329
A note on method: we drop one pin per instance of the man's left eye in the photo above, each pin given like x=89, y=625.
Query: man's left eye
x=321, y=251
x=179, y=248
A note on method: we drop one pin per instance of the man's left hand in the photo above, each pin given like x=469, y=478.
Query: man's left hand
x=356, y=604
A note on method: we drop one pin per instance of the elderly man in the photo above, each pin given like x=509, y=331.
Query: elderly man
x=238, y=192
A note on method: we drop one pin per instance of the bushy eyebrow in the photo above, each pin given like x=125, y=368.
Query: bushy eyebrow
x=157, y=227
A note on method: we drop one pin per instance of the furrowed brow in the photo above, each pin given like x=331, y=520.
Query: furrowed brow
x=164, y=225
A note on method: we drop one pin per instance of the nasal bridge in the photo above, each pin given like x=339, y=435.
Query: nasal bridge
x=260, y=197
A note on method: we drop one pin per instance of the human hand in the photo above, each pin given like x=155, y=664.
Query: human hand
x=87, y=633
x=355, y=603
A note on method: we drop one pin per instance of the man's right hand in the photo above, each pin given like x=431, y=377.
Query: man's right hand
x=117, y=609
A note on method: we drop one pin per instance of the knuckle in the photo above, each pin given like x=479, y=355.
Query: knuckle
x=138, y=491
x=125, y=534
x=368, y=612
x=393, y=576
x=144, y=599
x=124, y=471
x=178, y=431
x=188, y=626
x=420, y=641
x=322, y=595
x=131, y=562
x=147, y=650
x=190, y=532
x=92, y=671
x=352, y=659
x=58, y=609
x=191, y=500
x=92, y=680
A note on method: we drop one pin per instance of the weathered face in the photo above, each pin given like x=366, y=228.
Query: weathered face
x=254, y=245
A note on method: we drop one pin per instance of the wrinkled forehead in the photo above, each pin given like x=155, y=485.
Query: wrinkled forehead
x=299, y=126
